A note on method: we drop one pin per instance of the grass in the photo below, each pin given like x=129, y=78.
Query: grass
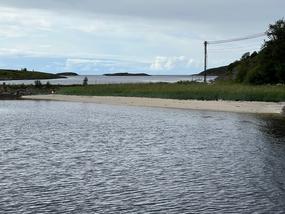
x=218, y=91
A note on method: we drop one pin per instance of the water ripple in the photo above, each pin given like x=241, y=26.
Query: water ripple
x=85, y=158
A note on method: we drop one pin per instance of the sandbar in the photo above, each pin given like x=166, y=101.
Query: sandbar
x=226, y=106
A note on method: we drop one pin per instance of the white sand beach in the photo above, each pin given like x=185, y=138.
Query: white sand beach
x=227, y=106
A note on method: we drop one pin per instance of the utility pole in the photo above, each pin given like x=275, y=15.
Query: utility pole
x=205, y=67
x=206, y=43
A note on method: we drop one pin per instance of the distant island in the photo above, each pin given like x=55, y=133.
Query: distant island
x=24, y=74
x=68, y=74
x=127, y=74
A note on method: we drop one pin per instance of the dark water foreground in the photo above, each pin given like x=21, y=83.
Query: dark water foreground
x=60, y=157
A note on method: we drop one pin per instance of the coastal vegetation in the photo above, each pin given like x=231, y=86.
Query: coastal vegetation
x=264, y=67
x=24, y=74
x=267, y=66
x=12, y=91
x=183, y=91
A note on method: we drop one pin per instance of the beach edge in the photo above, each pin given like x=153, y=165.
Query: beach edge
x=221, y=105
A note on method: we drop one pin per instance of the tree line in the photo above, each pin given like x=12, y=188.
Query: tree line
x=266, y=66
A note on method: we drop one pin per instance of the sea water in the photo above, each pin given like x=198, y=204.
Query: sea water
x=59, y=157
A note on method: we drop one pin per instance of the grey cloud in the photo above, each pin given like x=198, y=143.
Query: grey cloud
x=202, y=10
x=187, y=22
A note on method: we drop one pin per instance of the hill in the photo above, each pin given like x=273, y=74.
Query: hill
x=8, y=74
x=219, y=71
x=268, y=65
x=222, y=73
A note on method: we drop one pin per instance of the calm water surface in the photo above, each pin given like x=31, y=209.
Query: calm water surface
x=97, y=79
x=61, y=157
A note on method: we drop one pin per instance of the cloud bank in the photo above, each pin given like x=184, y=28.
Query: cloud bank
x=157, y=36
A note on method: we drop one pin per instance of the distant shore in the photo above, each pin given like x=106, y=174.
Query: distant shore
x=24, y=74
x=127, y=74
x=225, y=106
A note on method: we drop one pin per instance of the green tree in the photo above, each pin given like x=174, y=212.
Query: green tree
x=267, y=66
x=245, y=56
x=276, y=31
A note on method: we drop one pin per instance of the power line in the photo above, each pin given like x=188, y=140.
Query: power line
x=238, y=39
x=235, y=45
x=229, y=49
x=206, y=43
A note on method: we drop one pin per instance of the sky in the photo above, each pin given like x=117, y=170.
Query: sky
x=163, y=37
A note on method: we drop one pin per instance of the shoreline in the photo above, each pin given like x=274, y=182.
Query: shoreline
x=224, y=106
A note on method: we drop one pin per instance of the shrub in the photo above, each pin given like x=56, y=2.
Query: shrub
x=48, y=85
x=85, y=81
x=38, y=84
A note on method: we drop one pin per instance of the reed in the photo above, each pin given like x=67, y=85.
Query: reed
x=183, y=91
